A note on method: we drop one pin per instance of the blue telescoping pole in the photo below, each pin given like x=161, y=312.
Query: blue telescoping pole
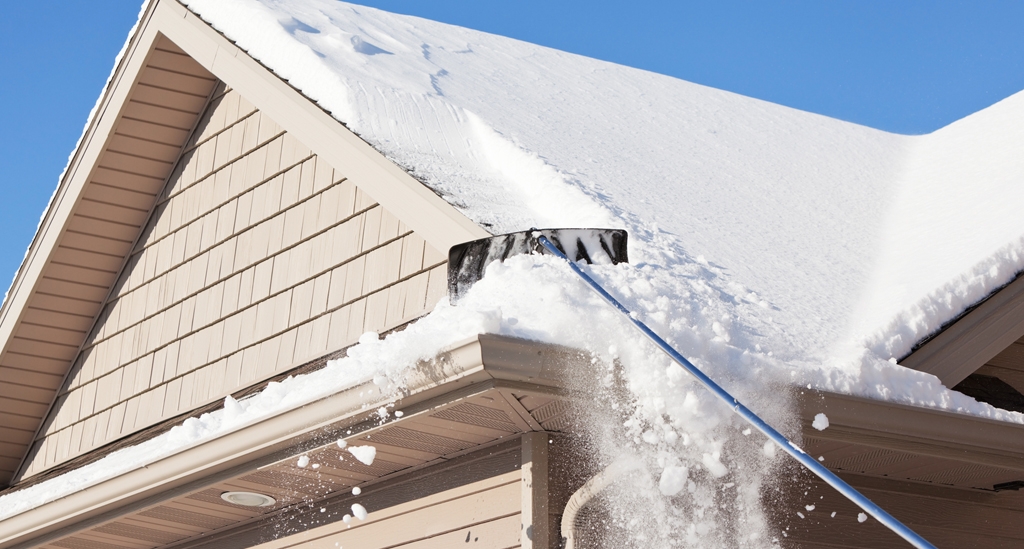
x=792, y=449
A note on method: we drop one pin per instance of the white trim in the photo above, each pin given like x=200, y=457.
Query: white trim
x=967, y=344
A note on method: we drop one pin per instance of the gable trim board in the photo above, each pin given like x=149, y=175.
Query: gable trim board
x=71, y=259
x=414, y=204
x=973, y=339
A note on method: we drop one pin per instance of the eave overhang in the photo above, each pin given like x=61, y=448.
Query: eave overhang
x=485, y=364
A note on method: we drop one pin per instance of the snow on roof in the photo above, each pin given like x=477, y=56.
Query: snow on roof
x=851, y=234
x=768, y=244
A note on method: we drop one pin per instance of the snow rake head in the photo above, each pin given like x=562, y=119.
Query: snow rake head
x=467, y=261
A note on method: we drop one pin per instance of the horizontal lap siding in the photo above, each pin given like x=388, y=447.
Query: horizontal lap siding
x=258, y=257
x=483, y=514
x=114, y=206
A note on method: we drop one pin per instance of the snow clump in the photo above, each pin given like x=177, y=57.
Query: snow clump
x=365, y=454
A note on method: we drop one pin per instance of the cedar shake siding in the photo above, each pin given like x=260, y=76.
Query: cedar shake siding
x=258, y=257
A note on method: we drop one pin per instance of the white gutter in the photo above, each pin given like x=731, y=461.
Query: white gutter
x=480, y=361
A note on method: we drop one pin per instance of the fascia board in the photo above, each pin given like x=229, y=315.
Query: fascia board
x=430, y=216
x=914, y=429
x=458, y=369
x=77, y=175
x=974, y=339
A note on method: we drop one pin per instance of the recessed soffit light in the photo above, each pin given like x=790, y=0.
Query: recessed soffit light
x=248, y=499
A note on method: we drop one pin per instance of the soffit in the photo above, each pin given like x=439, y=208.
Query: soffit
x=148, y=112
x=1008, y=365
x=895, y=441
x=404, y=446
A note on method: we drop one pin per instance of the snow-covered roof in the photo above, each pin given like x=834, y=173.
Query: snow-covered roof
x=848, y=234
x=767, y=243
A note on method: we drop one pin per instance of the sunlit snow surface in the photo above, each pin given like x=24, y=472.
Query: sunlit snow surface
x=773, y=247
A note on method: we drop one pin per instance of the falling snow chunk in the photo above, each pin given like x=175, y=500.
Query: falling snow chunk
x=809, y=507
x=714, y=465
x=861, y=517
x=799, y=514
x=359, y=511
x=820, y=422
x=399, y=413
x=356, y=491
x=303, y=461
x=833, y=514
x=347, y=519
x=342, y=443
x=364, y=454
x=673, y=480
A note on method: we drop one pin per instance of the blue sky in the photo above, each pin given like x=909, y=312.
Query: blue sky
x=909, y=67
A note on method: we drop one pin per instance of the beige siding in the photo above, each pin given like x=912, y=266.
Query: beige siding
x=482, y=514
x=946, y=517
x=258, y=257
x=114, y=204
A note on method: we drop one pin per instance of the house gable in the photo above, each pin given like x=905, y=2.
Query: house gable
x=257, y=258
x=986, y=340
x=133, y=364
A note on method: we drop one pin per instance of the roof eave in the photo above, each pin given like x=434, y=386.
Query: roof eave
x=477, y=364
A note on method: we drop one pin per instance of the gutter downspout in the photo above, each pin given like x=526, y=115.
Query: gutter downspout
x=778, y=438
x=580, y=498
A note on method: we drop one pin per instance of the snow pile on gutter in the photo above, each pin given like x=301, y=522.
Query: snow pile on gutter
x=384, y=362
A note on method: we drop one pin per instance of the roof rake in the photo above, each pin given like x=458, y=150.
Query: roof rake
x=466, y=264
